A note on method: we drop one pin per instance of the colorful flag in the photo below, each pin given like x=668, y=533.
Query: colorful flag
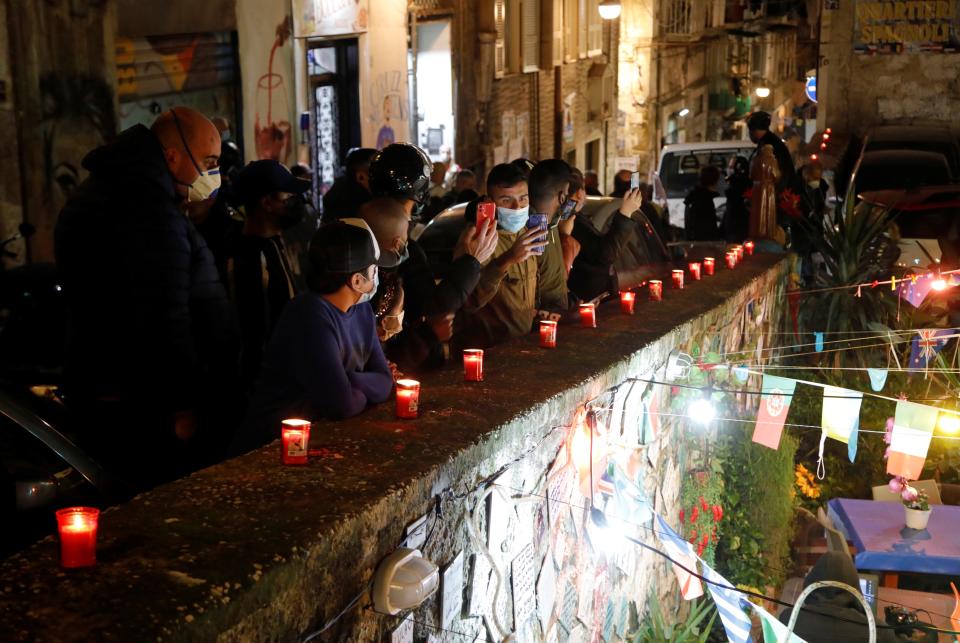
x=916, y=290
x=681, y=551
x=773, y=630
x=730, y=605
x=774, y=405
x=818, y=341
x=878, y=378
x=841, y=412
x=912, y=429
x=927, y=344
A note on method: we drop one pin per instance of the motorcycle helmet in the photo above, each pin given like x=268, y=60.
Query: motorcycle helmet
x=401, y=170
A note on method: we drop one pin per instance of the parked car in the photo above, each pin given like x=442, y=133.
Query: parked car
x=645, y=250
x=41, y=468
x=680, y=166
x=927, y=220
x=898, y=170
x=919, y=138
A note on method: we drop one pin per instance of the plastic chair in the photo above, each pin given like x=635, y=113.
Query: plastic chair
x=795, y=613
x=882, y=493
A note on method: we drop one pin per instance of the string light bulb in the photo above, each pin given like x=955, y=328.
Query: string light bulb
x=701, y=410
x=939, y=283
x=949, y=423
x=609, y=9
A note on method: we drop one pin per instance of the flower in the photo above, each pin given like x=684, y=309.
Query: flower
x=896, y=484
x=681, y=516
x=790, y=204
x=909, y=494
x=888, y=432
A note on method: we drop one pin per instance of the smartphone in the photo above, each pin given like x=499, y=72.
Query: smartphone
x=539, y=221
x=567, y=209
x=485, y=212
x=634, y=180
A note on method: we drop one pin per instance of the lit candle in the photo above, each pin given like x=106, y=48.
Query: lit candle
x=739, y=251
x=473, y=365
x=588, y=315
x=294, y=441
x=627, y=299
x=656, y=290
x=78, y=536
x=408, y=398
x=694, y=267
x=731, y=260
x=708, y=265
x=748, y=245
x=677, y=276
x=548, y=334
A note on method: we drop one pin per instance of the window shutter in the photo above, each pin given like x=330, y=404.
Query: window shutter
x=530, y=32
x=500, y=45
x=551, y=33
x=595, y=33
x=582, y=30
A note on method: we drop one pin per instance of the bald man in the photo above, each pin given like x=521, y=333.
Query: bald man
x=152, y=335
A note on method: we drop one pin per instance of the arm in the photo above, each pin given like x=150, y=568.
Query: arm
x=320, y=372
x=450, y=294
x=376, y=378
x=551, y=276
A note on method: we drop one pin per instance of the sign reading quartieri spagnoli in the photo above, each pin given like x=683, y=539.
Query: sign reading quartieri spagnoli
x=907, y=26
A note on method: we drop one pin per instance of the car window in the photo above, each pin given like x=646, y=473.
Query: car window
x=895, y=177
x=679, y=170
x=947, y=148
x=938, y=223
x=23, y=455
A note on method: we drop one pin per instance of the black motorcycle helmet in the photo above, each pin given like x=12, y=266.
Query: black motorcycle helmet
x=401, y=170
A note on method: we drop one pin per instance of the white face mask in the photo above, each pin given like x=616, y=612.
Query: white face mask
x=205, y=186
x=512, y=220
x=367, y=296
x=390, y=325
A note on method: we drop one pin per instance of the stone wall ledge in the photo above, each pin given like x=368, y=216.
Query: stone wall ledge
x=249, y=550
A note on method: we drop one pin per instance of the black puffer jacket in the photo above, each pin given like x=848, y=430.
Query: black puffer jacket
x=149, y=318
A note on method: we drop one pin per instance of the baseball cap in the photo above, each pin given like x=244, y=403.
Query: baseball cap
x=260, y=178
x=344, y=246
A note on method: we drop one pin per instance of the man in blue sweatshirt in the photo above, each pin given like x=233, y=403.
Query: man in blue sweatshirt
x=324, y=359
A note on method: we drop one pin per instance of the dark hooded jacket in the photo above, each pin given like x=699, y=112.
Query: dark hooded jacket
x=149, y=317
x=826, y=614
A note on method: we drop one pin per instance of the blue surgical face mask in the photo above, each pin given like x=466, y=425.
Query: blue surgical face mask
x=512, y=220
x=367, y=296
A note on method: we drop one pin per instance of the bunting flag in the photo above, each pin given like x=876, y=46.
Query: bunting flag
x=852, y=443
x=773, y=630
x=915, y=290
x=926, y=345
x=741, y=373
x=878, y=378
x=818, y=341
x=912, y=430
x=680, y=550
x=730, y=605
x=774, y=405
x=841, y=412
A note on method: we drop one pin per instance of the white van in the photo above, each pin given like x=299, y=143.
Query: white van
x=680, y=166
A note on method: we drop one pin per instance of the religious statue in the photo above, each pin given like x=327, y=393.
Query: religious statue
x=763, y=200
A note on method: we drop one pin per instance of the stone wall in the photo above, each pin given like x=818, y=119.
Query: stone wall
x=861, y=90
x=249, y=550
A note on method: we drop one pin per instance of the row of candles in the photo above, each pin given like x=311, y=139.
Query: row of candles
x=77, y=526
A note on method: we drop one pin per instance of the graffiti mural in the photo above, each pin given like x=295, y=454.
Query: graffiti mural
x=272, y=130
x=159, y=65
x=388, y=106
x=77, y=117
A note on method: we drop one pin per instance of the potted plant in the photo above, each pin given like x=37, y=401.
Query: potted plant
x=916, y=505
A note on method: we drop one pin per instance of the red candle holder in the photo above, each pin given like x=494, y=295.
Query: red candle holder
x=694, y=268
x=656, y=290
x=627, y=299
x=588, y=315
x=548, y=334
x=739, y=251
x=731, y=260
x=473, y=365
x=77, y=527
x=748, y=246
x=294, y=441
x=677, y=277
x=709, y=263
x=408, y=399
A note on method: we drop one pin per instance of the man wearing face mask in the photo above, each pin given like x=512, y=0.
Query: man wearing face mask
x=259, y=277
x=324, y=359
x=152, y=334
x=550, y=189
x=402, y=172
x=504, y=302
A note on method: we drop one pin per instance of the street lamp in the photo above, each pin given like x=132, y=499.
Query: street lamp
x=683, y=112
x=609, y=9
x=762, y=92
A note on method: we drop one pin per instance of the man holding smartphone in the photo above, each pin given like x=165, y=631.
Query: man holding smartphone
x=549, y=190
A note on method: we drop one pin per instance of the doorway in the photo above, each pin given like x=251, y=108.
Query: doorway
x=434, y=88
x=333, y=70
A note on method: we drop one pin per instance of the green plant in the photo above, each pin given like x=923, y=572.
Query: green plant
x=654, y=627
x=754, y=543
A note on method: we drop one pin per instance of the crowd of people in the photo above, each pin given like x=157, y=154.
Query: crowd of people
x=207, y=302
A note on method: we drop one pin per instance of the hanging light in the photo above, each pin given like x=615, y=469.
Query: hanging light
x=683, y=112
x=762, y=91
x=949, y=423
x=939, y=283
x=609, y=9
x=701, y=409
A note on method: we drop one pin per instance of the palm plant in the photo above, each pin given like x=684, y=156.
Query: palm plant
x=655, y=629
x=855, y=250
